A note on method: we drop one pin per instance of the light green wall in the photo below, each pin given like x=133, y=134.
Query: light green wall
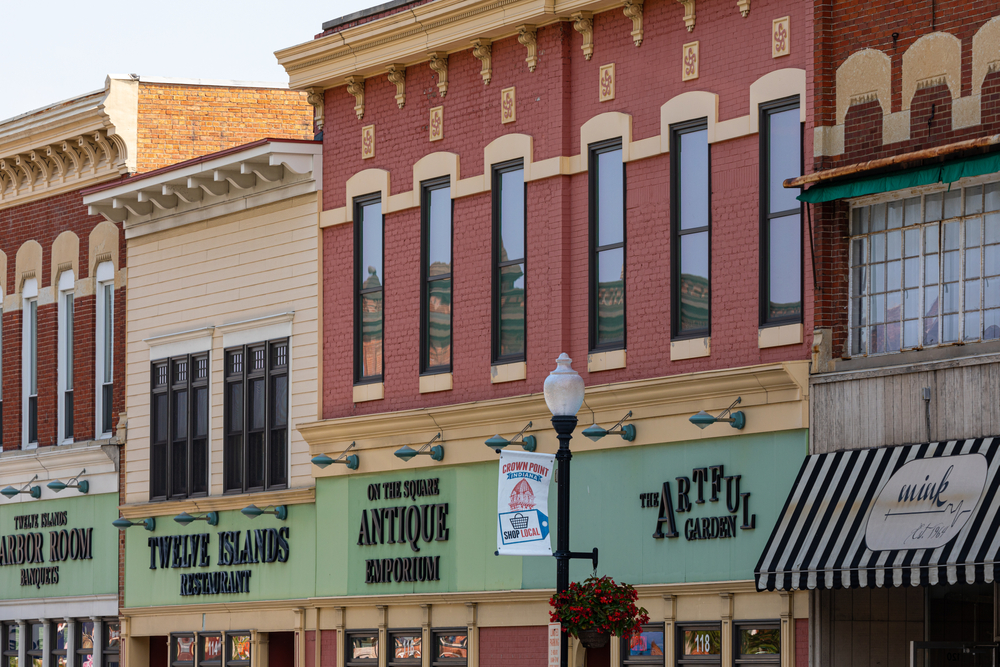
x=326, y=559
x=98, y=576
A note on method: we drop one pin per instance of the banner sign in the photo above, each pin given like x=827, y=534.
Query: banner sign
x=926, y=503
x=523, y=504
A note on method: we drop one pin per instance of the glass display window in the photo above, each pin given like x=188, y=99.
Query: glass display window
x=406, y=647
x=645, y=648
x=758, y=643
x=699, y=644
x=36, y=649
x=11, y=642
x=111, y=644
x=209, y=650
x=362, y=648
x=237, y=648
x=85, y=643
x=182, y=650
x=451, y=647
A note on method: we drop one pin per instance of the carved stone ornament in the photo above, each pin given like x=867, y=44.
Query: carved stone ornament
x=356, y=87
x=436, y=126
x=688, y=13
x=527, y=35
x=690, y=61
x=316, y=97
x=633, y=10
x=439, y=63
x=781, y=37
x=367, y=142
x=508, y=105
x=744, y=7
x=397, y=75
x=606, y=83
x=482, y=49
x=583, y=23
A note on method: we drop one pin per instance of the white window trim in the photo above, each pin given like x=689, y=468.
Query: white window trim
x=29, y=295
x=67, y=283
x=105, y=276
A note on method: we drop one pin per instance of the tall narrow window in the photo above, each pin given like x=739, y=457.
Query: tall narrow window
x=11, y=644
x=65, y=356
x=36, y=647
x=435, y=208
x=690, y=198
x=607, y=246
x=29, y=294
x=105, y=349
x=256, y=417
x=111, y=646
x=60, y=637
x=179, y=435
x=369, y=284
x=509, y=230
x=781, y=214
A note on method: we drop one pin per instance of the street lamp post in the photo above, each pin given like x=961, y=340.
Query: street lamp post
x=564, y=395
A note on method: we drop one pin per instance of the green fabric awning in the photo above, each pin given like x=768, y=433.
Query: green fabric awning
x=948, y=172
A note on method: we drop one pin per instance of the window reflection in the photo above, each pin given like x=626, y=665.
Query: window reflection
x=369, y=303
x=509, y=275
x=608, y=263
x=690, y=191
x=437, y=220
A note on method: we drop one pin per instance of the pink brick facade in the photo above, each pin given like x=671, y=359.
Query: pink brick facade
x=552, y=104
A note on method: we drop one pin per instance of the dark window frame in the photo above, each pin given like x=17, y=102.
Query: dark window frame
x=766, y=624
x=498, y=171
x=681, y=659
x=67, y=301
x=660, y=660
x=390, y=658
x=81, y=653
x=7, y=653
x=35, y=653
x=426, y=187
x=244, y=375
x=448, y=662
x=359, y=203
x=227, y=648
x=190, y=384
x=766, y=110
x=106, y=650
x=32, y=308
x=349, y=660
x=172, y=660
x=676, y=131
x=56, y=653
x=593, y=182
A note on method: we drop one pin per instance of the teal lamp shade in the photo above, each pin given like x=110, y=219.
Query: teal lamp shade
x=10, y=492
x=56, y=485
x=322, y=460
x=352, y=462
x=437, y=452
x=405, y=452
x=702, y=419
x=121, y=523
x=594, y=432
x=184, y=518
x=252, y=511
x=496, y=442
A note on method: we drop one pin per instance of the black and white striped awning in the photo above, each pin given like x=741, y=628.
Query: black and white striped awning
x=857, y=519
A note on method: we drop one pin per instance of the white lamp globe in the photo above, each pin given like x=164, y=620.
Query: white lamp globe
x=563, y=389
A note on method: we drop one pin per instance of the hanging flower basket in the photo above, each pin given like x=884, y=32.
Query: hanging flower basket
x=597, y=608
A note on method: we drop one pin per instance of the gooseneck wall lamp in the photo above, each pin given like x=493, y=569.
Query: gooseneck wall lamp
x=563, y=391
x=350, y=460
x=33, y=491
x=735, y=419
x=529, y=443
x=279, y=511
x=83, y=486
x=123, y=523
x=436, y=452
x=212, y=518
x=627, y=432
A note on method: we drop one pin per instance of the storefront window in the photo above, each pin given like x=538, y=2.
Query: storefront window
x=699, y=644
x=960, y=625
x=645, y=648
x=59, y=631
x=10, y=640
x=182, y=650
x=758, y=643
x=239, y=649
x=85, y=644
x=362, y=648
x=37, y=649
x=406, y=648
x=211, y=650
x=111, y=647
x=451, y=648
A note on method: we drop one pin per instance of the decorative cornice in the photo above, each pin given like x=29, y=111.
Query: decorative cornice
x=527, y=35
x=317, y=99
x=633, y=10
x=583, y=23
x=439, y=63
x=397, y=76
x=49, y=463
x=482, y=49
x=257, y=322
x=303, y=496
x=356, y=87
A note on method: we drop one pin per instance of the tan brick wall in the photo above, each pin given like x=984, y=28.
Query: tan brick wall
x=178, y=122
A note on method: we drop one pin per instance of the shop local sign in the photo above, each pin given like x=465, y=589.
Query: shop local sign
x=926, y=503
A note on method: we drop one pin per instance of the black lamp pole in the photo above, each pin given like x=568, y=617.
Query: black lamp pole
x=564, y=430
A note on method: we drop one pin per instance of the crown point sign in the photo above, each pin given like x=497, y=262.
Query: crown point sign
x=522, y=504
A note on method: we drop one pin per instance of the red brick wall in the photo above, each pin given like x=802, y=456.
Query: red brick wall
x=42, y=221
x=328, y=656
x=552, y=104
x=519, y=646
x=802, y=642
